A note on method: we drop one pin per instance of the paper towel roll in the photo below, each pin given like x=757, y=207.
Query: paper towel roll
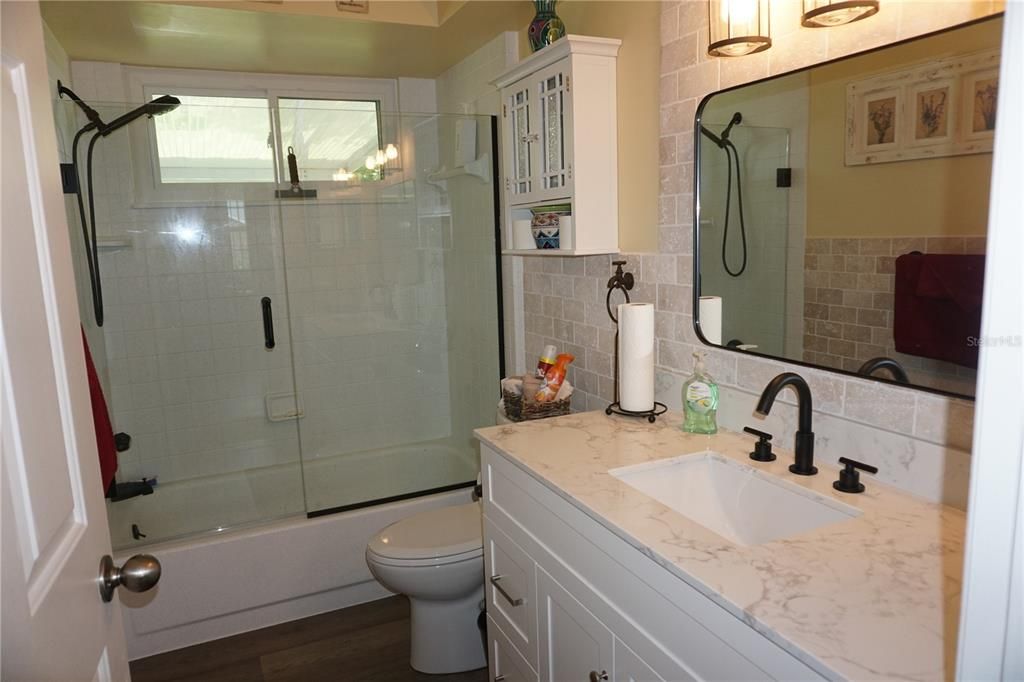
x=522, y=235
x=636, y=356
x=710, y=318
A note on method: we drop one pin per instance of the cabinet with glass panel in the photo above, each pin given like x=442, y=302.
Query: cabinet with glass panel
x=559, y=146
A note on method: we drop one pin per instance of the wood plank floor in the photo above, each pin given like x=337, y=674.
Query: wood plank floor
x=365, y=643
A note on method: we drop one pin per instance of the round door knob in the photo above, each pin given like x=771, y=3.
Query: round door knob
x=140, y=573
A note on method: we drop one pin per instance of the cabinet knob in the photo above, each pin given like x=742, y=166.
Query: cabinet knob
x=598, y=676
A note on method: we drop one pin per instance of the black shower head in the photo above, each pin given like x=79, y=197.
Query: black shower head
x=736, y=118
x=161, y=105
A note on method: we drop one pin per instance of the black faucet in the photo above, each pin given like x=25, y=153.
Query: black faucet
x=895, y=368
x=804, y=464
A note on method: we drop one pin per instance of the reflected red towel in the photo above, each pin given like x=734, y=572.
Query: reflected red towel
x=101, y=421
x=937, y=311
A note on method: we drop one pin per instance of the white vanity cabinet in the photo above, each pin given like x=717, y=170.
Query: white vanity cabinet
x=559, y=139
x=567, y=599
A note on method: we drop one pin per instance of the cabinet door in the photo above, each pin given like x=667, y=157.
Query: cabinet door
x=574, y=645
x=506, y=664
x=520, y=138
x=511, y=589
x=554, y=125
x=631, y=668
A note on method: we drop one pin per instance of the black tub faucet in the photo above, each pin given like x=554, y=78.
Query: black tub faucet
x=895, y=368
x=804, y=464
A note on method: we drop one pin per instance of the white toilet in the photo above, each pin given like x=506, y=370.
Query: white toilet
x=436, y=558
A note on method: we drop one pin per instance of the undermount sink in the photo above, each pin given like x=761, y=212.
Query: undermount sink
x=734, y=500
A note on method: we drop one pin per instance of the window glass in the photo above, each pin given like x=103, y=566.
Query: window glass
x=330, y=136
x=215, y=140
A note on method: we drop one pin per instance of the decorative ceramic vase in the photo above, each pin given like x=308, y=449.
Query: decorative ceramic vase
x=546, y=27
x=545, y=225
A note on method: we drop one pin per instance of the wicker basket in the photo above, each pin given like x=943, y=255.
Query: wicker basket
x=517, y=411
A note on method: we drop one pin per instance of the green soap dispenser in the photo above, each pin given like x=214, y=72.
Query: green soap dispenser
x=700, y=400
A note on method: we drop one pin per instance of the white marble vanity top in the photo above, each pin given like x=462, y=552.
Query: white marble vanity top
x=875, y=596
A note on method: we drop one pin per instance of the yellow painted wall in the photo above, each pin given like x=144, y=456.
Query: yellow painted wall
x=944, y=196
x=636, y=23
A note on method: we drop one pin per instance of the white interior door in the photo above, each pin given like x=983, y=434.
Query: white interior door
x=55, y=625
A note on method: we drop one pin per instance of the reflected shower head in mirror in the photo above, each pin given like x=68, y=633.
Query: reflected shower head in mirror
x=723, y=142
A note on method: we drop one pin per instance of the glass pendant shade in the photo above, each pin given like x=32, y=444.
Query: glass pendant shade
x=825, y=13
x=739, y=27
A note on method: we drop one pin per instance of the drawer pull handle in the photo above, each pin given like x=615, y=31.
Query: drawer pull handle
x=598, y=676
x=499, y=678
x=495, y=580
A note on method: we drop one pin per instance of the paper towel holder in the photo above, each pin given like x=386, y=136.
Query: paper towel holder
x=623, y=281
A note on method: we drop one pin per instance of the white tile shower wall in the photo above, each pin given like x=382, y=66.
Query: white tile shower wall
x=565, y=297
x=184, y=335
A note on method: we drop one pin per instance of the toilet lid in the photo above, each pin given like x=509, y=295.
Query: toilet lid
x=443, y=532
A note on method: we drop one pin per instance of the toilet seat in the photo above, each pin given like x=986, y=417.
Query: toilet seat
x=472, y=555
x=437, y=537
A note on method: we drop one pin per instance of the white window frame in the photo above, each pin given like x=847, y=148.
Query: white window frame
x=143, y=82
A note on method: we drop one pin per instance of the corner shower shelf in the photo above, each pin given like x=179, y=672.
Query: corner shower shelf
x=114, y=243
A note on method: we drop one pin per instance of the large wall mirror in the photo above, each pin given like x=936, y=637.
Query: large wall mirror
x=841, y=211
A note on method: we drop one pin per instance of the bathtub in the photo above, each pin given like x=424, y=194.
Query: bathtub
x=251, y=575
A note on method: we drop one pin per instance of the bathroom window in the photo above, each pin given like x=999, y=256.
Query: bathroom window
x=230, y=137
x=215, y=139
x=329, y=136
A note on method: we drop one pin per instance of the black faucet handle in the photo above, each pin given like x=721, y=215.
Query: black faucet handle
x=763, y=448
x=849, y=477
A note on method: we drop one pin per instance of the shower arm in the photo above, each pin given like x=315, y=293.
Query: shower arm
x=94, y=118
x=714, y=138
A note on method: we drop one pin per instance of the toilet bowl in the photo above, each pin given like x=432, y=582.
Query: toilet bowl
x=436, y=559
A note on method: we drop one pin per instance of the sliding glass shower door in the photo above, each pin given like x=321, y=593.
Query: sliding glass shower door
x=273, y=357
x=394, y=317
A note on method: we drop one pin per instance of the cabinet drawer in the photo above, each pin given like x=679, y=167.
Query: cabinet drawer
x=505, y=663
x=511, y=589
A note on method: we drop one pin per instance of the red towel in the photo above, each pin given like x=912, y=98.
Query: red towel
x=101, y=422
x=937, y=311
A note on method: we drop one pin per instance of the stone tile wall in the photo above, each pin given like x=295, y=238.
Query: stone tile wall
x=848, y=305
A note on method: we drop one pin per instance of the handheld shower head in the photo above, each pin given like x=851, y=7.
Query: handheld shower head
x=161, y=105
x=736, y=118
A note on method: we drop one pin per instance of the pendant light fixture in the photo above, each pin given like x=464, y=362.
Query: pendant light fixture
x=825, y=13
x=738, y=27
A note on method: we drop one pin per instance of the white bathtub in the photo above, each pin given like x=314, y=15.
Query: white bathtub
x=217, y=502
x=218, y=584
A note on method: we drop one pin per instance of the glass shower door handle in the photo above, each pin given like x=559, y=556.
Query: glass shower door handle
x=268, y=323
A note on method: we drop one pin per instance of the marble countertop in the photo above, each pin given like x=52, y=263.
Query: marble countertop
x=875, y=596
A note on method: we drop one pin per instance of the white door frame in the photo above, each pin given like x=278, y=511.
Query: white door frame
x=991, y=644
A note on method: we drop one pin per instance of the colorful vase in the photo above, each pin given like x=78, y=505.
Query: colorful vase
x=546, y=27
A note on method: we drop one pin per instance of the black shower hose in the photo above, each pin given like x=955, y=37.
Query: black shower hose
x=727, y=145
x=89, y=227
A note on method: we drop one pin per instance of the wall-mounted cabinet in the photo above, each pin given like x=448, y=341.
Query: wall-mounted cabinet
x=559, y=143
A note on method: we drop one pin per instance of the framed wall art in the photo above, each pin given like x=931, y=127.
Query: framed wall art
x=942, y=108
